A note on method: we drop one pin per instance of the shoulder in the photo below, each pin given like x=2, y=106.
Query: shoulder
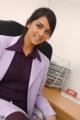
x=43, y=57
x=4, y=37
x=7, y=40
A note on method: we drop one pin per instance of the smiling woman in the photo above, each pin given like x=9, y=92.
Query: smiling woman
x=38, y=32
x=25, y=71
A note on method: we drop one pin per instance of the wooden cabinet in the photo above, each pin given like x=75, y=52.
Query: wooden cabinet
x=65, y=108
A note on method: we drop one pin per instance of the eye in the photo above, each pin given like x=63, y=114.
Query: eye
x=48, y=32
x=39, y=26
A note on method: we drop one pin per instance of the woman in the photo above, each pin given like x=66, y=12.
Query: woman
x=23, y=69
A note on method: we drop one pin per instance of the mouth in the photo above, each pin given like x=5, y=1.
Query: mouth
x=37, y=38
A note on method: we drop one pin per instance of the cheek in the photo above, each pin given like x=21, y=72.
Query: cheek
x=46, y=37
x=31, y=28
x=33, y=31
x=30, y=31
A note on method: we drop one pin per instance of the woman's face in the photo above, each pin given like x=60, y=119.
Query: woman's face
x=38, y=31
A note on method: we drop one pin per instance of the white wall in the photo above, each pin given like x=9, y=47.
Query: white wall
x=19, y=10
x=66, y=38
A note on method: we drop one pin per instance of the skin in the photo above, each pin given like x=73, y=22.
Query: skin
x=38, y=32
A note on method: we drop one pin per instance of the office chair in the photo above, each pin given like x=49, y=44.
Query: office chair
x=13, y=28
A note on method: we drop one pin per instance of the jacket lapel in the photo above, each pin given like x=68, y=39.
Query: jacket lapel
x=5, y=62
x=36, y=68
x=6, y=56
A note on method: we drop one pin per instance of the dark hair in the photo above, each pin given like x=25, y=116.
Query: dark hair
x=40, y=12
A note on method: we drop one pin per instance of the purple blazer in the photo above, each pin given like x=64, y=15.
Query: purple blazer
x=37, y=78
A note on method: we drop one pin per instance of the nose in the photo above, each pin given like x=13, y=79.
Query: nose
x=41, y=32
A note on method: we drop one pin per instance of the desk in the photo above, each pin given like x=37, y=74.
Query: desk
x=65, y=108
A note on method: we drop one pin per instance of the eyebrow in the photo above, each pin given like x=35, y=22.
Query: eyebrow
x=43, y=25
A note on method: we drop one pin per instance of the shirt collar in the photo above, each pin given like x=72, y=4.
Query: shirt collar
x=17, y=47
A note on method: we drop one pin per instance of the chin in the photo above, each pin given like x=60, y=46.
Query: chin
x=36, y=43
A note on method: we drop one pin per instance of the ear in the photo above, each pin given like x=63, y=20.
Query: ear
x=28, y=25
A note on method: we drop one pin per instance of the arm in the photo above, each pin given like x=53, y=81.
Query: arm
x=41, y=103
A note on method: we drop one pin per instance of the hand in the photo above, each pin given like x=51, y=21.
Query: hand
x=51, y=117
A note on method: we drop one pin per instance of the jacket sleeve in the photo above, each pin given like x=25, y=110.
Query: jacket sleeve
x=41, y=103
x=1, y=45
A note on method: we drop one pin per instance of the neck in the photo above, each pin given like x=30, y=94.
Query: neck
x=27, y=47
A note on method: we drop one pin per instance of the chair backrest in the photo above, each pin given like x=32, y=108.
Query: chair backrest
x=13, y=28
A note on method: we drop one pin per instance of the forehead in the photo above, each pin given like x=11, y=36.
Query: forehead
x=43, y=21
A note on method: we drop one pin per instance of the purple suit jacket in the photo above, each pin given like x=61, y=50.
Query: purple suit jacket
x=37, y=79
